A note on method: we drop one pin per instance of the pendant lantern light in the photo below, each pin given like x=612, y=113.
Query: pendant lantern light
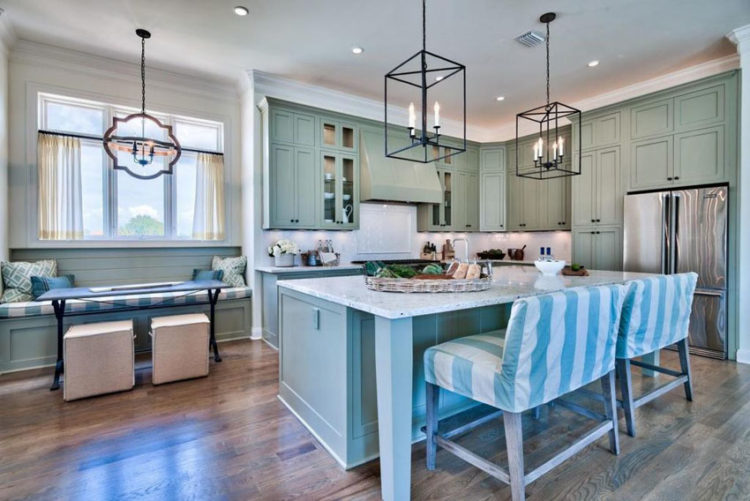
x=142, y=136
x=424, y=78
x=549, y=151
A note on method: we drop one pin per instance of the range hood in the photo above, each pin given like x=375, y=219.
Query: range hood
x=392, y=180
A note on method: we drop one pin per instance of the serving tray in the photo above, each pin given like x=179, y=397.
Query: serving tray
x=426, y=285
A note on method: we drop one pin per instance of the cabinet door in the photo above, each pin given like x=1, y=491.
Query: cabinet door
x=306, y=175
x=554, y=193
x=281, y=126
x=339, y=135
x=458, y=201
x=447, y=212
x=348, y=195
x=282, y=192
x=532, y=203
x=651, y=119
x=304, y=129
x=651, y=163
x=492, y=159
x=582, y=248
x=607, y=250
x=514, y=215
x=330, y=179
x=608, y=196
x=584, y=191
x=492, y=201
x=471, y=197
x=699, y=156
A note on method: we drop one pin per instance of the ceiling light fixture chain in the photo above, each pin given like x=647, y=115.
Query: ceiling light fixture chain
x=143, y=75
x=424, y=25
x=547, y=64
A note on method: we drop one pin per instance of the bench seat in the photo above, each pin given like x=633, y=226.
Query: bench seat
x=38, y=308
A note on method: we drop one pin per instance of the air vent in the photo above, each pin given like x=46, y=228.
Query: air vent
x=530, y=39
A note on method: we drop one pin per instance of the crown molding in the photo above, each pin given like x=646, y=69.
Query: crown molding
x=40, y=54
x=706, y=69
x=8, y=35
x=343, y=102
x=740, y=37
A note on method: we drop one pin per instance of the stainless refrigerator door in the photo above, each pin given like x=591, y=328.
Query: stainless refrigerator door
x=645, y=237
x=701, y=235
x=708, y=328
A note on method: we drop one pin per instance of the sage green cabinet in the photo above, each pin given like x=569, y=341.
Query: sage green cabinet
x=599, y=249
x=652, y=163
x=699, y=156
x=597, y=192
x=291, y=127
x=338, y=134
x=555, y=204
x=523, y=203
x=604, y=130
x=466, y=202
x=459, y=210
x=492, y=201
x=492, y=159
x=339, y=192
x=292, y=194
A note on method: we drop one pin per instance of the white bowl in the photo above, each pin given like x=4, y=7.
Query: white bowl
x=328, y=195
x=549, y=268
x=347, y=197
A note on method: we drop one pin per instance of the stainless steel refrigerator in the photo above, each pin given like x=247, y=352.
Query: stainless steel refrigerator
x=678, y=231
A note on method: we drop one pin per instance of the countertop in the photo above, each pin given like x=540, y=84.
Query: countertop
x=306, y=269
x=509, y=284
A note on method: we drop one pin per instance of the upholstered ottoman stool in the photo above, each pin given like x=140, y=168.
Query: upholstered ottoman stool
x=98, y=359
x=179, y=347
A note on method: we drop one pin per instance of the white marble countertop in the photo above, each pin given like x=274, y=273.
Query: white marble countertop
x=306, y=269
x=509, y=284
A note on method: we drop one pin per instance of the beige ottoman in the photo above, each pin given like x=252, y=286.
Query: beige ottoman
x=98, y=359
x=179, y=347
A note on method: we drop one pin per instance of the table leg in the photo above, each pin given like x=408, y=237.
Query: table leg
x=59, y=308
x=393, y=373
x=213, y=297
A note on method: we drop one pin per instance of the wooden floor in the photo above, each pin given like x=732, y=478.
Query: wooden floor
x=228, y=437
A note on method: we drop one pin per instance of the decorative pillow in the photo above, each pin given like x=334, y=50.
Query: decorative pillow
x=208, y=274
x=40, y=285
x=233, y=268
x=17, y=278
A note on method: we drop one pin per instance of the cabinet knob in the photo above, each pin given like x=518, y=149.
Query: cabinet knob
x=593, y=220
x=676, y=178
x=468, y=226
x=669, y=179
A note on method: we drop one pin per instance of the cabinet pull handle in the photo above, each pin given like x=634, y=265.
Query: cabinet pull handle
x=676, y=178
x=316, y=319
x=593, y=220
x=468, y=226
x=669, y=179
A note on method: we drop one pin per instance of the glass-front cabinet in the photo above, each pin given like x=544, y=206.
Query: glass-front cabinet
x=441, y=215
x=335, y=134
x=340, y=190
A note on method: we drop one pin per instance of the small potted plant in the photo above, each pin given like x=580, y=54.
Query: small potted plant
x=283, y=252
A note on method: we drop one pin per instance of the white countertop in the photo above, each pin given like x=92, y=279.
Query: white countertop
x=306, y=269
x=509, y=284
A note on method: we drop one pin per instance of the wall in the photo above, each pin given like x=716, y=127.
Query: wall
x=38, y=67
x=4, y=42
x=388, y=231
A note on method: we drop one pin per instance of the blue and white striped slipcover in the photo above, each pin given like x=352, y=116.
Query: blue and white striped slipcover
x=36, y=308
x=655, y=314
x=554, y=344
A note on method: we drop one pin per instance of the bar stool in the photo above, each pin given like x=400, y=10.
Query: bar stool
x=554, y=344
x=655, y=314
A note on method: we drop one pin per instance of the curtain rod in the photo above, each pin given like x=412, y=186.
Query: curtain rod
x=99, y=138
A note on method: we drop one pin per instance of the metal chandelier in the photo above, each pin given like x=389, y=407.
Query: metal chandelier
x=142, y=148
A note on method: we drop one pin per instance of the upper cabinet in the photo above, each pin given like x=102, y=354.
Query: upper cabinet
x=337, y=134
x=492, y=189
x=601, y=131
x=597, y=192
x=290, y=127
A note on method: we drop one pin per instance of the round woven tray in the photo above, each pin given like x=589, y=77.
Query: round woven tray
x=419, y=285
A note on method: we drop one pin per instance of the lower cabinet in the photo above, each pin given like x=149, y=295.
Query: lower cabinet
x=598, y=248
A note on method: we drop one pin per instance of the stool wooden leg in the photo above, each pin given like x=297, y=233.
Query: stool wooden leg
x=432, y=392
x=514, y=443
x=682, y=348
x=626, y=387
x=610, y=409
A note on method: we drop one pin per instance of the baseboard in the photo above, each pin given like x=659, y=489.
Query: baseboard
x=257, y=333
x=269, y=344
x=743, y=356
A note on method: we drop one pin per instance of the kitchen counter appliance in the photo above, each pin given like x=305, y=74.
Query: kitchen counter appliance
x=683, y=230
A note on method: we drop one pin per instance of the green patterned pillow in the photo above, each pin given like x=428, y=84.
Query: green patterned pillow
x=17, y=278
x=233, y=268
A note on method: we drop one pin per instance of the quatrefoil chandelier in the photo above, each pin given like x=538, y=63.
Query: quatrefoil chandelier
x=549, y=149
x=129, y=135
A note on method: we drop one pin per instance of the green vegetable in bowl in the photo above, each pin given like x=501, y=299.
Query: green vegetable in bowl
x=385, y=273
x=576, y=267
x=432, y=269
x=401, y=271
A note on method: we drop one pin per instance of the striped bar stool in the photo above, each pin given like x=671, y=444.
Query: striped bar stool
x=554, y=344
x=655, y=314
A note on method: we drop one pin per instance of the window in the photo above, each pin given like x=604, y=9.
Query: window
x=116, y=205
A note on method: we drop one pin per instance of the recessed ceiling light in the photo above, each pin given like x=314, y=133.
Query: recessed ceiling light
x=500, y=98
x=241, y=11
x=439, y=77
x=593, y=63
x=357, y=50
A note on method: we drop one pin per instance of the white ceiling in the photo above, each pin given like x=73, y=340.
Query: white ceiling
x=311, y=41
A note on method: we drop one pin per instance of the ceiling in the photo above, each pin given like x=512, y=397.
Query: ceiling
x=311, y=41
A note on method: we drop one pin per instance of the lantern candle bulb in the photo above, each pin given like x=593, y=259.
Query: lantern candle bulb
x=412, y=120
x=437, y=115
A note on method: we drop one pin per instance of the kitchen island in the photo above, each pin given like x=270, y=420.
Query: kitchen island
x=351, y=359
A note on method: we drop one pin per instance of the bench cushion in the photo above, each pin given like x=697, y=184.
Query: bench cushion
x=36, y=308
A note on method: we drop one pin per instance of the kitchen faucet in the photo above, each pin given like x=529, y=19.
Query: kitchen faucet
x=466, y=245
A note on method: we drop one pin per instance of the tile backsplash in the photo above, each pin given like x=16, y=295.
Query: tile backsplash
x=389, y=231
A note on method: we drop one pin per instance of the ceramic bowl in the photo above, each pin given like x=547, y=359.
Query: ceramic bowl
x=347, y=197
x=549, y=268
x=328, y=195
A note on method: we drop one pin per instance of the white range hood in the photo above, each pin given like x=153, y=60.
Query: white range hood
x=393, y=180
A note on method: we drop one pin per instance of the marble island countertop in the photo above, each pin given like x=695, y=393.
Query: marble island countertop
x=307, y=269
x=509, y=284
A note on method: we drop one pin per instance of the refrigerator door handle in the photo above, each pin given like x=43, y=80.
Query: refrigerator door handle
x=665, y=199
x=709, y=292
x=674, y=228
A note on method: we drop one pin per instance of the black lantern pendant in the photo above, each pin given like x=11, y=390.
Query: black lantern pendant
x=142, y=148
x=424, y=75
x=549, y=150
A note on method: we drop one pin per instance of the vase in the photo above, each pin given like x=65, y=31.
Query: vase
x=284, y=260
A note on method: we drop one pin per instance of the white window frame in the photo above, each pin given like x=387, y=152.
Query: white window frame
x=110, y=176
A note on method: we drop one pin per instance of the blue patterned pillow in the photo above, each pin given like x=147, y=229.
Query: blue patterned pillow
x=40, y=285
x=17, y=278
x=208, y=274
x=233, y=267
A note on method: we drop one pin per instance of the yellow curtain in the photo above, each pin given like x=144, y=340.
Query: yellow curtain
x=208, y=223
x=60, y=198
